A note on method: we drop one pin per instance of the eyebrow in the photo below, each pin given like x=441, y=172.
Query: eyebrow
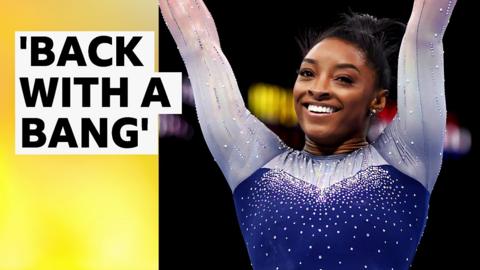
x=337, y=66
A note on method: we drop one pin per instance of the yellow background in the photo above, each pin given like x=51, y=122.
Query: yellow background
x=73, y=212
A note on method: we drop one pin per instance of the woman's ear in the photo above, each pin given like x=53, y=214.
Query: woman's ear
x=380, y=100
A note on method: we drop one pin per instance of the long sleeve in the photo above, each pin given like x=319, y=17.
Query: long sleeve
x=413, y=142
x=238, y=141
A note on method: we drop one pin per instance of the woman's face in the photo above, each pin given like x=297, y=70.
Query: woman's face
x=334, y=92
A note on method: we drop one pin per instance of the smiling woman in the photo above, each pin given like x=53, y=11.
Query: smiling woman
x=334, y=93
x=342, y=202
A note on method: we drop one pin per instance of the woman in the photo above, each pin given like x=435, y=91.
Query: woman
x=342, y=202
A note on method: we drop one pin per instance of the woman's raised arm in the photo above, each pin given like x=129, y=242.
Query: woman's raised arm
x=238, y=141
x=413, y=142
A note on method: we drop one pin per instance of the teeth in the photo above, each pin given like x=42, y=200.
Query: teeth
x=320, y=109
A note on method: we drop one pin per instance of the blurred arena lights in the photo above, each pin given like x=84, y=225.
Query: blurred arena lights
x=172, y=125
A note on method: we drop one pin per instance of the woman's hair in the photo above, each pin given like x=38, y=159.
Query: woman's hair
x=376, y=38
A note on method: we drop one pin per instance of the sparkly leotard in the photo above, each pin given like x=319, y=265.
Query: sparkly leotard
x=362, y=210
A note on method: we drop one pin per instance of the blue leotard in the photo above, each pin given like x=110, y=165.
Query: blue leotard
x=363, y=210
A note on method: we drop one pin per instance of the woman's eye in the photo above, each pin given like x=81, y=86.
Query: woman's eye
x=305, y=73
x=345, y=80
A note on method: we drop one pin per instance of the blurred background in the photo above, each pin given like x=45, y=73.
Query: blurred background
x=197, y=218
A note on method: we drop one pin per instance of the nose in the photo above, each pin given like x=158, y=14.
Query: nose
x=319, y=94
x=320, y=89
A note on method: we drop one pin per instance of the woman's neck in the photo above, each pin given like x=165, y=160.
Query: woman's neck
x=346, y=147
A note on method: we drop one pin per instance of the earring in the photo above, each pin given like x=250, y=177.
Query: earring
x=373, y=112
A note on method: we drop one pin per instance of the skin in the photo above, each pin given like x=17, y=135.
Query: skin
x=336, y=73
